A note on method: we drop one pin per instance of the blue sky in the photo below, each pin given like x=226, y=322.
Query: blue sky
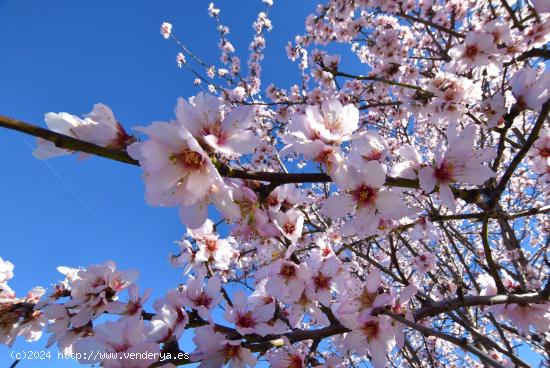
x=63, y=55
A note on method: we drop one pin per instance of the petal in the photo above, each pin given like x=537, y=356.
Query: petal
x=374, y=174
x=447, y=197
x=426, y=177
x=338, y=205
x=194, y=216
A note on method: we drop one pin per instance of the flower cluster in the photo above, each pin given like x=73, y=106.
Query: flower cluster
x=397, y=215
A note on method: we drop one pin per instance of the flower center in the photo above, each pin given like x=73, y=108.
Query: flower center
x=188, y=159
x=245, y=320
x=471, y=51
x=211, y=245
x=366, y=299
x=444, y=174
x=289, y=228
x=364, y=196
x=203, y=299
x=288, y=271
x=215, y=130
x=230, y=351
x=333, y=125
x=371, y=329
x=375, y=155
x=321, y=281
x=295, y=362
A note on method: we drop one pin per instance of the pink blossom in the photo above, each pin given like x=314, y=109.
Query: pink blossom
x=410, y=164
x=94, y=288
x=287, y=280
x=99, y=127
x=135, y=303
x=529, y=90
x=247, y=317
x=424, y=228
x=363, y=197
x=332, y=124
x=476, y=50
x=367, y=147
x=211, y=247
x=171, y=318
x=166, y=30
x=119, y=338
x=424, y=262
x=177, y=171
x=202, y=299
x=6, y=270
x=458, y=162
x=287, y=357
x=359, y=296
x=214, y=350
x=322, y=280
x=290, y=224
x=370, y=334
x=305, y=305
x=207, y=121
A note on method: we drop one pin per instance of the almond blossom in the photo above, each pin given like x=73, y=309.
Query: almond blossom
x=166, y=30
x=530, y=89
x=207, y=121
x=290, y=224
x=99, y=127
x=6, y=270
x=540, y=152
x=370, y=334
x=363, y=197
x=317, y=128
x=312, y=200
x=287, y=280
x=424, y=262
x=248, y=317
x=305, y=306
x=214, y=350
x=93, y=289
x=119, y=338
x=177, y=171
x=211, y=247
x=202, y=299
x=322, y=280
x=287, y=356
x=399, y=306
x=359, y=296
x=456, y=163
x=134, y=305
x=171, y=318
x=476, y=50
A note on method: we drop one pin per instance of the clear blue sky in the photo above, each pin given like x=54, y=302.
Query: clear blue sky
x=66, y=56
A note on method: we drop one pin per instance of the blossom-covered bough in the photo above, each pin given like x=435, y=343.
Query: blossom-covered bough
x=397, y=214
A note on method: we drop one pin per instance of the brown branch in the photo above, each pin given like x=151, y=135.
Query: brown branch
x=431, y=24
x=460, y=342
x=74, y=144
x=522, y=152
x=450, y=304
x=66, y=142
x=493, y=268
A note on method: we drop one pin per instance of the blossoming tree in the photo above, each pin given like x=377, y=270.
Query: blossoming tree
x=396, y=217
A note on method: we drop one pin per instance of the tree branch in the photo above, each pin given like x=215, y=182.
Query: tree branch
x=446, y=305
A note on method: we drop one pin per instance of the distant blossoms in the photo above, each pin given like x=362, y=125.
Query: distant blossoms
x=166, y=30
